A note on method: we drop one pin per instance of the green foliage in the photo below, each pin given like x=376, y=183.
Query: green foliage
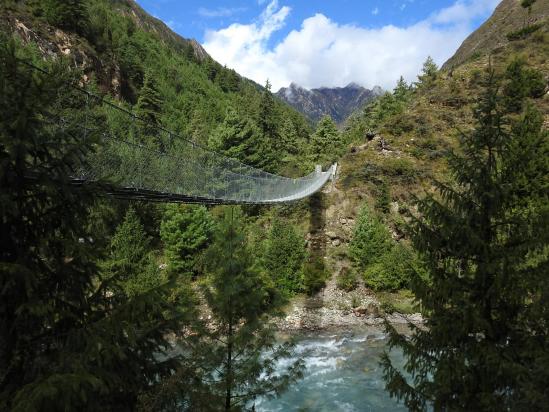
x=484, y=237
x=149, y=111
x=315, y=275
x=401, y=92
x=521, y=82
x=69, y=338
x=524, y=32
x=429, y=73
x=129, y=260
x=383, y=199
x=326, y=142
x=392, y=271
x=400, y=168
x=284, y=256
x=527, y=3
x=371, y=240
x=65, y=14
x=347, y=279
x=268, y=122
x=289, y=137
x=239, y=138
x=186, y=232
x=237, y=352
x=374, y=114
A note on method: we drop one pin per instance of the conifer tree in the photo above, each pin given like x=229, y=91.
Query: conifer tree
x=401, y=90
x=521, y=82
x=370, y=241
x=268, y=125
x=242, y=301
x=284, y=257
x=267, y=114
x=185, y=231
x=485, y=343
x=239, y=138
x=289, y=137
x=326, y=141
x=65, y=343
x=129, y=260
x=149, y=111
x=429, y=73
x=66, y=14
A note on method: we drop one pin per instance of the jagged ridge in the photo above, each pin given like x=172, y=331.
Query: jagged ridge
x=338, y=102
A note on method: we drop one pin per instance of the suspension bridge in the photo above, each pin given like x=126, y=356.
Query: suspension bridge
x=177, y=170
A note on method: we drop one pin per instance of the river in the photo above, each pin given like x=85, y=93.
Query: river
x=342, y=374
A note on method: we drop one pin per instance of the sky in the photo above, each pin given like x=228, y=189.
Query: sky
x=325, y=43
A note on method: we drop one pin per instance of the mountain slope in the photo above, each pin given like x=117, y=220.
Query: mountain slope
x=414, y=133
x=338, y=102
x=509, y=17
x=117, y=44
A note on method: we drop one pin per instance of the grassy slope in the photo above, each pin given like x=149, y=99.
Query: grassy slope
x=418, y=137
x=417, y=140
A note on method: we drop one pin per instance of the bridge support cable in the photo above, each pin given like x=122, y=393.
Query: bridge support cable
x=139, y=160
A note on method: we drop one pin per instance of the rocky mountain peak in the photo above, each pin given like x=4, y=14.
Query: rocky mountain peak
x=337, y=102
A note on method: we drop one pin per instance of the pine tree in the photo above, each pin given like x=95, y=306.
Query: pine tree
x=289, y=137
x=66, y=14
x=401, y=90
x=370, y=241
x=485, y=343
x=521, y=82
x=129, y=259
x=242, y=300
x=326, y=141
x=428, y=74
x=69, y=339
x=185, y=231
x=284, y=257
x=149, y=112
x=240, y=139
x=268, y=125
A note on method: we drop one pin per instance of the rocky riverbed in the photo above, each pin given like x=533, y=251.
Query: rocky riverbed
x=333, y=308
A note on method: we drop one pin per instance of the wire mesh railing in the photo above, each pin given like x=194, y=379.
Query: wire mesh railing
x=144, y=162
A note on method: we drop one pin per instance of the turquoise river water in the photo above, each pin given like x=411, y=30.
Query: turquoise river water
x=342, y=374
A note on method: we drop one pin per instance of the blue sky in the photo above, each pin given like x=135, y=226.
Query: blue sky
x=325, y=42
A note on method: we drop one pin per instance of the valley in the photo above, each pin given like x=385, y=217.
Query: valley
x=174, y=273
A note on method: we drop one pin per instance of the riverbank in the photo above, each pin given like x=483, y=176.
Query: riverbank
x=333, y=308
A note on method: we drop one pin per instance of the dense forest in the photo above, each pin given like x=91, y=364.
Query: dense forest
x=110, y=304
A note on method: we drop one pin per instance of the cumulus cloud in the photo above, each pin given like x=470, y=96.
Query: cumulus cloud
x=324, y=53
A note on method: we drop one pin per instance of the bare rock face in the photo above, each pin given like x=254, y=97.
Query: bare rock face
x=337, y=102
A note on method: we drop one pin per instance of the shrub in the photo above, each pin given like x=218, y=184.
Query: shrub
x=65, y=14
x=383, y=198
x=402, y=168
x=314, y=275
x=371, y=240
x=347, y=279
x=392, y=272
x=284, y=256
x=524, y=32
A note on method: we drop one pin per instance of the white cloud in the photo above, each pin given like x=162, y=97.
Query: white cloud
x=375, y=11
x=324, y=53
